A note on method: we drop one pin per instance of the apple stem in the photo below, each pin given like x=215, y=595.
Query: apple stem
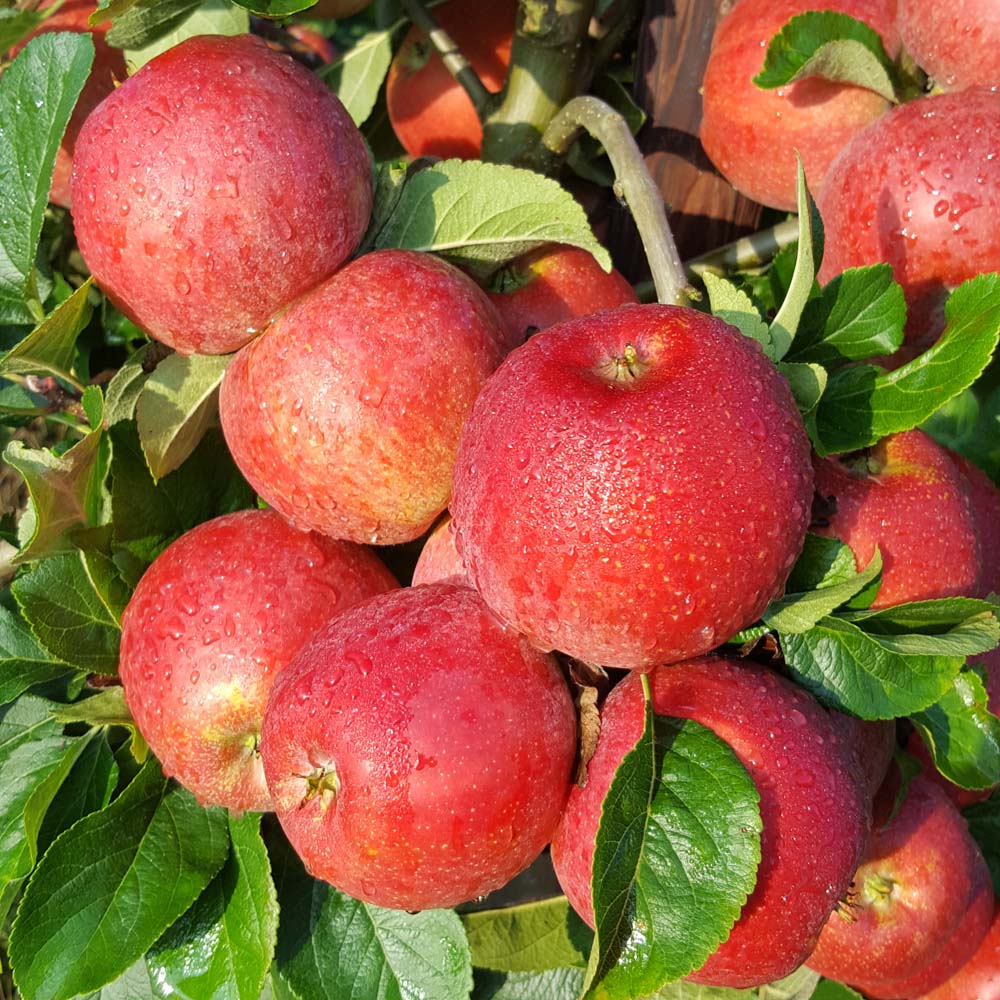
x=453, y=59
x=754, y=250
x=633, y=184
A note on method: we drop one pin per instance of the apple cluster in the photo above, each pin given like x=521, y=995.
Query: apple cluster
x=628, y=487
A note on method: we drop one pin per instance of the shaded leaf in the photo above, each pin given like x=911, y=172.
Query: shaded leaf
x=210, y=17
x=24, y=662
x=356, y=77
x=735, y=307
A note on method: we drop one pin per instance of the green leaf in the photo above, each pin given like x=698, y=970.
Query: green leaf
x=275, y=8
x=532, y=937
x=799, y=612
x=68, y=615
x=132, y=984
x=24, y=662
x=481, y=215
x=356, y=77
x=808, y=383
x=330, y=945
x=37, y=95
x=735, y=307
x=797, y=986
x=553, y=984
x=50, y=348
x=984, y=825
x=110, y=885
x=106, y=707
x=210, y=17
x=126, y=385
x=148, y=20
x=808, y=257
x=863, y=404
x=859, y=314
x=676, y=857
x=832, y=45
x=827, y=989
x=222, y=947
x=823, y=562
x=16, y=25
x=851, y=670
x=179, y=402
x=962, y=736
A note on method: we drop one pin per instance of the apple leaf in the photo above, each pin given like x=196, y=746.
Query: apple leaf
x=676, y=857
x=808, y=383
x=24, y=662
x=984, y=825
x=480, y=215
x=275, y=8
x=178, y=403
x=133, y=984
x=552, y=984
x=121, y=395
x=827, y=989
x=797, y=986
x=222, y=946
x=823, y=562
x=356, y=77
x=89, y=911
x=863, y=404
x=68, y=614
x=147, y=20
x=858, y=315
x=207, y=17
x=330, y=945
x=962, y=735
x=37, y=95
x=832, y=45
x=854, y=671
x=16, y=25
x=736, y=308
x=532, y=937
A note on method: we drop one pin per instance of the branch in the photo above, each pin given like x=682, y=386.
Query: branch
x=754, y=250
x=633, y=183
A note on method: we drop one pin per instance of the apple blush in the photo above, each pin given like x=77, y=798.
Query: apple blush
x=419, y=754
x=214, y=619
x=213, y=187
x=632, y=487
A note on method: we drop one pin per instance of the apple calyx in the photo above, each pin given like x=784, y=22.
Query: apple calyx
x=877, y=890
x=322, y=784
x=624, y=367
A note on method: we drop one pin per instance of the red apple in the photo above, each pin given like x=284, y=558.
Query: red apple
x=979, y=978
x=213, y=187
x=419, y=753
x=429, y=110
x=752, y=135
x=439, y=558
x=905, y=496
x=920, y=190
x=985, y=500
x=955, y=42
x=345, y=414
x=814, y=804
x=555, y=283
x=632, y=486
x=213, y=620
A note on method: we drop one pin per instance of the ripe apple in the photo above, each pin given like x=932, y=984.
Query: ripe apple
x=814, y=804
x=905, y=496
x=979, y=978
x=213, y=620
x=920, y=873
x=920, y=190
x=418, y=752
x=555, y=283
x=751, y=134
x=107, y=71
x=345, y=414
x=440, y=559
x=955, y=42
x=213, y=187
x=632, y=486
x=429, y=111
x=984, y=498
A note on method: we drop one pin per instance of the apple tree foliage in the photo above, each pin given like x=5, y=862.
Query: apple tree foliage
x=115, y=883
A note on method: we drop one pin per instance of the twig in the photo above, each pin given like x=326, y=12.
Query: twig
x=754, y=250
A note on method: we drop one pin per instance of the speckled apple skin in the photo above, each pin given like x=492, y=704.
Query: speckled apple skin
x=440, y=559
x=214, y=619
x=814, y=805
x=935, y=870
x=213, y=187
x=345, y=415
x=559, y=283
x=920, y=190
x=984, y=498
x=915, y=508
x=451, y=738
x=956, y=43
x=633, y=522
x=979, y=978
x=752, y=135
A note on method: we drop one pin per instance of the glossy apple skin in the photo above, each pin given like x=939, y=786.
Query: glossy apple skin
x=979, y=978
x=581, y=483
x=430, y=112
x=440, y=559
x=984, y=498
x=213, y=187
x=814, y=805
x=752, y=135
x=919, y=875
x=905, y=496
x=345, y=414
x=554, y=284
x=107, y=70
x=214, y=619
x=449, y=740
x=956, y=43
x=920, y=190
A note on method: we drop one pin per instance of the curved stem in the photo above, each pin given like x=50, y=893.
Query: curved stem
x=754, y=250
x=633, y=183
